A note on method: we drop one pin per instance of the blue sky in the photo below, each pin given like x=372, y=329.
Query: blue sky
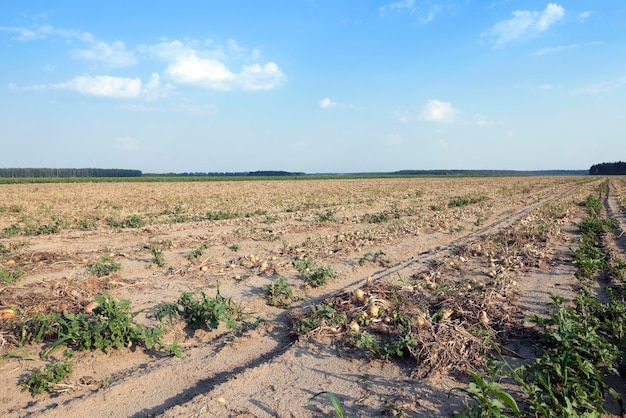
x=312, y=85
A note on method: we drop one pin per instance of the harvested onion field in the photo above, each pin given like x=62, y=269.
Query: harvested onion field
x=250, y=298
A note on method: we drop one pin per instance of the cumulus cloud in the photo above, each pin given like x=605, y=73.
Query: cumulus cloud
x=191, y=69
x=438, y=111
x=327, y=104
x=187, y=64
x=525, y=24
x=192, y=62
x=155, y=89
x=103, y=86
x=260, y=77
x=114, y=55
x=214, y=74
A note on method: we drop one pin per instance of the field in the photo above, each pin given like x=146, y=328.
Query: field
x=273, y=298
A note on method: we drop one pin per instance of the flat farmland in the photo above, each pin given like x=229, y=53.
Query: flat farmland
x=250, y=298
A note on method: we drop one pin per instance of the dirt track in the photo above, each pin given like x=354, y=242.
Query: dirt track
x=263, y=370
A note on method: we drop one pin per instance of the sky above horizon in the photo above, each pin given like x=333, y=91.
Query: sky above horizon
x=315, y=86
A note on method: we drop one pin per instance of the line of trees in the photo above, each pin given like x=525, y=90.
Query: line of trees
x=608, y=169
x=268, y=173
x=67, y=172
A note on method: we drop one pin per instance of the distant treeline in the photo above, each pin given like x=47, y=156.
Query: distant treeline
x=227, y=174
x=489, y=173
x=607, y=169
x=67, y=172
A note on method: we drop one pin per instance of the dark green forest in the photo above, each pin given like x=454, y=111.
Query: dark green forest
x=608, y=169
x=67, y=172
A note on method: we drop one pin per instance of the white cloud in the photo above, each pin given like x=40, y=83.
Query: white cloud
x=166, y=50
x=125, y=143
x=561, y=48
x=525, y=24
x=260, y=77
x=437, y=111
x=208, y=69
x=114, y=55
x=426, y=11
x=553, y=50
x=601, y=88
x=191, y=62
x=546, y=86
x=404, y=4
x=46, y=31
x=209, y=73
x=327, y=104
x=103, y=86
x=584, y=15
x=155, y=90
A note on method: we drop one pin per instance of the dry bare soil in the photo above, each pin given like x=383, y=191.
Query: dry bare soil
x=454, y=263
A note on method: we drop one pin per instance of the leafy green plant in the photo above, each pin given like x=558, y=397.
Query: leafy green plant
x=317, y=316
x=279, y=293
x=375, y=218
x=320, y=276
x=304, y=265
x=157, y=254
x=41, y=380
x=196, y=253
x=219, y=215
x=466, y=200
x=110, y=325
x=234, y=247
x=105, y=267
x=375, y=257
x=201, y=310
x=489, y=399
x=339, y=413
x=133, y=221
x=328, y=216
x=366, y=341
x=9, y=277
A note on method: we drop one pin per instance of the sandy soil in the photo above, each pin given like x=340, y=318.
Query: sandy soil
x=266, y=370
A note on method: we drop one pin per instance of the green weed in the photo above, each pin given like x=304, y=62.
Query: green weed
x=320, y=276
x=328, y=216
x=105, y=267
x=375, y=257
x=279, y=293
x=466, y=200
x=41, y=380
x=158, y=257
x=10, y=277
